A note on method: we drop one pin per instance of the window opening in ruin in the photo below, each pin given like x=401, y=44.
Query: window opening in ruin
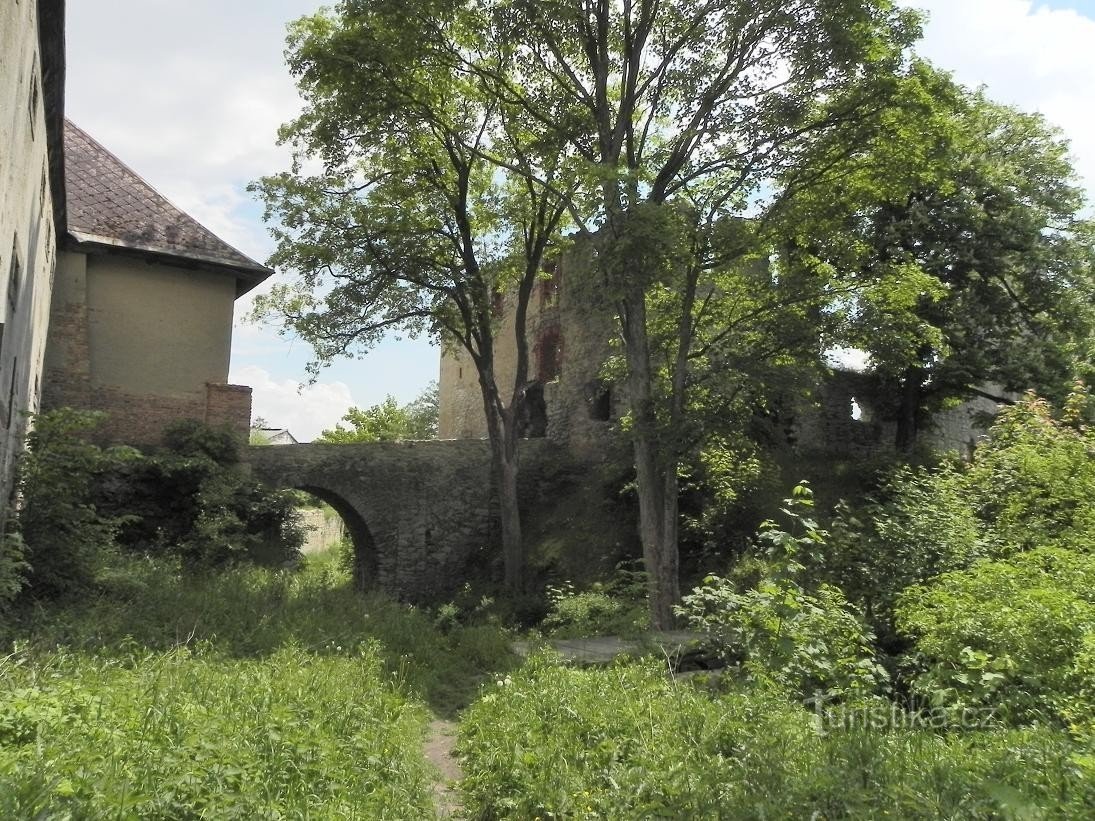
x=857, y=410
x=599, y=400
x=549, y=287
x=9, y=411
x=15, y=274
x=549, y=354
x=33, y=101
x=532, y=418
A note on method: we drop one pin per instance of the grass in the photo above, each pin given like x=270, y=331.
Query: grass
x=249, y=693
x=629, y=742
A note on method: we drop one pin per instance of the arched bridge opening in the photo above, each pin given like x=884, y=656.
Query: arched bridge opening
x=420, y=513
x=357, y=530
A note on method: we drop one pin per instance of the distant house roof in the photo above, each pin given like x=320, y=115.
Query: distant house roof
x=111, y=208
x=278, y=436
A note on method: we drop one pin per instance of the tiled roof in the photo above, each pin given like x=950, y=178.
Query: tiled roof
x=110, y=205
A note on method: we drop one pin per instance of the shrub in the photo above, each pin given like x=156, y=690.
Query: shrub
x=64, y=533
x=13, y=567
x=1033, y=481
x=811, y=642
x=919, y=524
x=617, y=607
x=1009, y=635
x=191, y=500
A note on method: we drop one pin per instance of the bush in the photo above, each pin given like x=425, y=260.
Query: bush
x=13, y=567
x=617, y=607
x=1008, y=635
x=811, y=642
x=1033, y=482
x=190, y=500
x=919, y=524
x=65, y=535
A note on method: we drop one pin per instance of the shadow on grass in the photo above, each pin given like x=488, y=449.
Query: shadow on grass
x=146, y=606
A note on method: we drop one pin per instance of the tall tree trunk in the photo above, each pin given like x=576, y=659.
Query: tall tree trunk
x=908, y=409
x=501, y=426
x=659, y=552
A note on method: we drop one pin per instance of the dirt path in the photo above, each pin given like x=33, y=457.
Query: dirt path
x=438, y=747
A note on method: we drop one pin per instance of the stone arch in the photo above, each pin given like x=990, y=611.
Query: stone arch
x=365, y=554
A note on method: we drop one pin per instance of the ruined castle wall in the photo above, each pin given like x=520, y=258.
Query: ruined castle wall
x=27, y=229
x=568, y=330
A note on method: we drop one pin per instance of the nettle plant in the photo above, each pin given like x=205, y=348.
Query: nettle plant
x=812, y=642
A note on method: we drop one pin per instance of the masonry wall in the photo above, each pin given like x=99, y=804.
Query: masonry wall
x=147, y=343
x=27, y=230
x=421, y=514
x=568, y=331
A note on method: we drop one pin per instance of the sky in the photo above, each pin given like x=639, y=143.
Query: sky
x=190, y=93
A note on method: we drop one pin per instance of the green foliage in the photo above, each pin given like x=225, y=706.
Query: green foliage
x=613, y=608
x=1032, y=483
x=628, y=742
x=1009, y=635
x=811, y=642
x=191, y=438
x=389, y=421
x=63, y=532
x=154, y=604
x=957, y=228
x=13, y=567
x=918, y=524
x=188, y=734
x=1029, y=485
x=192, y=501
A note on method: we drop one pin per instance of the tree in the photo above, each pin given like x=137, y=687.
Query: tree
x=675, y=115
x=407, y=226
x=389, y=421
x=963, y=228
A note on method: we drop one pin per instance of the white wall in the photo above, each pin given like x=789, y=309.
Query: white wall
x=27, y=233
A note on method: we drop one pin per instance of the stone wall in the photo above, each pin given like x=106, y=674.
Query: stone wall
x=421, y=514
x=323, y=531
x=849, y=419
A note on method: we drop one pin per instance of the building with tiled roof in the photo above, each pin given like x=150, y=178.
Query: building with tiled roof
x=112, y=210
x=113, y=299
x=141, y=322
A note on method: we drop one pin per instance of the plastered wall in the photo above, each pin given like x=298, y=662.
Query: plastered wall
x=27, y=230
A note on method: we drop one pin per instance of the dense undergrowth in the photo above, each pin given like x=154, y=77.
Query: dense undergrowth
x=630, y=742
x=241, y=693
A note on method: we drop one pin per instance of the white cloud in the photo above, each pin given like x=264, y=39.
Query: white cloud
x=305, y=410
x=1026, y=55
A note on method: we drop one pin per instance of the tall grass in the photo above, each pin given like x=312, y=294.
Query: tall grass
x=249, y=693
x=628, y=742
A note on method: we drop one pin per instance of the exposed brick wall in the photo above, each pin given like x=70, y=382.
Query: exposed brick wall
x=229, y=406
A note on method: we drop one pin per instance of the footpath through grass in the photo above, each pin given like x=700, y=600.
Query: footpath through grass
x=246, y=694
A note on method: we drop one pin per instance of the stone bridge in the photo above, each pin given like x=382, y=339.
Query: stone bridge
x=419, y=513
